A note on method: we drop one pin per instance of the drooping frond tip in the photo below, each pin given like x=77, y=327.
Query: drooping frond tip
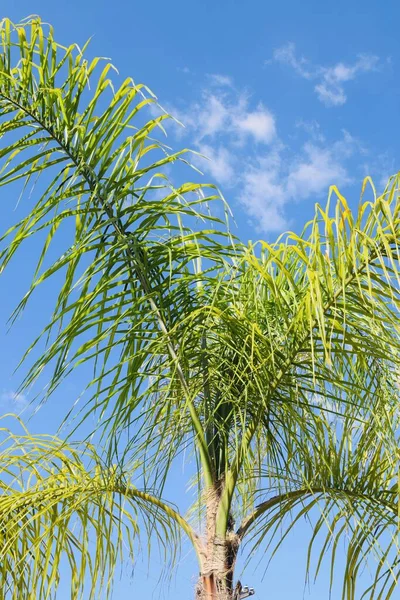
x=63, y=511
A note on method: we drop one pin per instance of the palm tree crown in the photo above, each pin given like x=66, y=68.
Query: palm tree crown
x=275, y=365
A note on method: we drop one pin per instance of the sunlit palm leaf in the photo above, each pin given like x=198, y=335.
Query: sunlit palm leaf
x=62, y=509
x=237, y=355
x=129, y=262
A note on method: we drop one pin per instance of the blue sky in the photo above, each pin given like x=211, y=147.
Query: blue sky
x=286, y=98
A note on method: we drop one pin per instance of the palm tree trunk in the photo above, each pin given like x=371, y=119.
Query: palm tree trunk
x=211, y=587
x=218, y=556
x=216, y=580
x=208, y=589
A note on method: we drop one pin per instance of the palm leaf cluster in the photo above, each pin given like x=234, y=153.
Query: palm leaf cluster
x=62, y=509
x=302, y=355
x=126, y=251
x=275, y=365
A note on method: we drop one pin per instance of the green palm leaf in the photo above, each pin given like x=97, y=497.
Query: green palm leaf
x=130, y=264
x=275, y=365
x=60, y=505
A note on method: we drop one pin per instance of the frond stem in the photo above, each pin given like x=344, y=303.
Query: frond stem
x=295, y=494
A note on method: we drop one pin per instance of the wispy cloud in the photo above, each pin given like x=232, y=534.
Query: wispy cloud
x=286, y=55
x=263, y=193
x=223, y=111
x=11, y=400
x=258, y=124
x=248, y=157
x=274, y=180
x=219, y=162
x=329, y=80
x=320, y=165
x=220, y=80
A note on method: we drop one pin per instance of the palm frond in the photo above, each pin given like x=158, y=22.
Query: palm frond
x=310, y=323
x=344, y=481
x=129, y=247
x=61, y=509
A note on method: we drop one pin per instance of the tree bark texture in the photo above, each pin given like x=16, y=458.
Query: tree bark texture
x=219, y=557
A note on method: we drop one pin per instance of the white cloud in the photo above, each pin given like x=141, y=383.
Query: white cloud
x=248, y=157
x=314, y=173
x=318, y=168
x=213, y=118
x=220, y=80
x=263, y=193
x=219, y=162
x=260, y=124
x=277, y=178
x=222, y=112
x=286, y=54
x=13, y=400
x=341, y=72
x=330, y=81
x=331, y=95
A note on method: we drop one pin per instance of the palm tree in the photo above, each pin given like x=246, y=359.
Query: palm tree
x=275, y=366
